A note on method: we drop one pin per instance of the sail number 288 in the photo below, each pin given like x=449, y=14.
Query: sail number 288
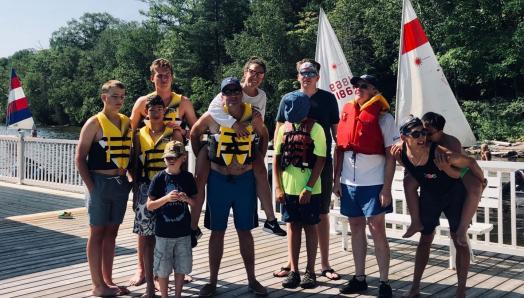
x=341, y=88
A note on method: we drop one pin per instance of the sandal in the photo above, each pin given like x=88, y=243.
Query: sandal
x=283, y=272
x=65, y=215
x=333, y=274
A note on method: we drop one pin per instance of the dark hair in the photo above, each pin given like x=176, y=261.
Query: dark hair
x=434, y=120
x=254, y=60
x=154, y=100
x=409, y=124
x=160, y=63
x=315, y=63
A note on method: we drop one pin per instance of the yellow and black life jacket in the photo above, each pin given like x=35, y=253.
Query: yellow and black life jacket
x=112, y=150
x=225, y=145
x=151, y=152
x=172, y=113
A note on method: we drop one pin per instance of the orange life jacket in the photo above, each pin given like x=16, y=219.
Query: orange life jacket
x=359, y=130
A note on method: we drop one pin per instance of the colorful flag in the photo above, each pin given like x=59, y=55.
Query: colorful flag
x=334, y=72
x=18, y=113
x=421, y=84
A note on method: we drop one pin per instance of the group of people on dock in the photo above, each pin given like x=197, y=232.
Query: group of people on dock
x=146, y=153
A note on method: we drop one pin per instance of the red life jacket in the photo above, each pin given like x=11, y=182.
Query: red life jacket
x=358, y=129
x=297, y=145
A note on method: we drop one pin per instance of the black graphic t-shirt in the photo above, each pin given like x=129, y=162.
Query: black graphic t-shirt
x=173, y=220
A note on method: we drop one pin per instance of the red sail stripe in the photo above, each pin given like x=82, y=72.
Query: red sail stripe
x=18, y=105
x=15, y=82
x=414, y=36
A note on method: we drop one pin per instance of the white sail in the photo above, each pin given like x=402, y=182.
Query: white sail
x=334, y=72
x=421, y=84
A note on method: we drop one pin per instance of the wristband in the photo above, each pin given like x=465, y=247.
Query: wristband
x=463, y=172
x=308, y=188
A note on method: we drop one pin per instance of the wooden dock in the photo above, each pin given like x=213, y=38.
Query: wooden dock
x=43, y=256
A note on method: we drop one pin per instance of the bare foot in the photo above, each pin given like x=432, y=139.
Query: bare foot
x=413, y=293
x=137, y=279
x=413, y=229
x=121, y=290
x=104, y=291
x=188, y=278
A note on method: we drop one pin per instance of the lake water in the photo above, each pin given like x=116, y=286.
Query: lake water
x=51, y=132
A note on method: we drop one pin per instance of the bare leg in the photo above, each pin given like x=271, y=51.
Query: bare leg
x=280, y=272
x=311, y=246
x=377, y=227
x=421, y=260
x=462, y=266
x=94, y=258
x=247, y=250
x=108, y=253
x=202, y=169
x=139, y=277
x=263, y=189
x=412, y=199
x=216, y=241
x=323, y=243
x=474, y=188
x=293, y=244
x=179, y=284
x=358, y=243
x=162, y=283
x=149, y=247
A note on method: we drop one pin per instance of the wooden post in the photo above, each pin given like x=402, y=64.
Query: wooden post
x=20, y=157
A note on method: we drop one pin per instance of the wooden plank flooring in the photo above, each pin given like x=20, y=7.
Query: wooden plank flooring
x=43, y=256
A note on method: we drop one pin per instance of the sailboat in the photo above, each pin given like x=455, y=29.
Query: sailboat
x=421, y=84
x=334, y=73
x=18, y=114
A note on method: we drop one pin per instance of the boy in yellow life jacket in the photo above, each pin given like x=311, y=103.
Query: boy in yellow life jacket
x=179, y=112
x=149, y=144
x=102, y=157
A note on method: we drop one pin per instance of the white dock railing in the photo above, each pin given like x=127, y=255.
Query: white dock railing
x=50, y=163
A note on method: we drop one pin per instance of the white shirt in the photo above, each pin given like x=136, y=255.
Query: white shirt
x=368, y=169
x=216, y=107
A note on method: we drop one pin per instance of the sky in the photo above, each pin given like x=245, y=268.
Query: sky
x=28, y=24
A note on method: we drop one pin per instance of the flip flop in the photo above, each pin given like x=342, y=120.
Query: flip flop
x=65, y=215
x=188, y=279
x=279, y=273
x=334, y=275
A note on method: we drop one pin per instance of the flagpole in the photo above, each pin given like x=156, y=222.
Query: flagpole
x=401, y=44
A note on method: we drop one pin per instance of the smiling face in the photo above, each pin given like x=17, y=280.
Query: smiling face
x=114, y=98
x=364, y=91
x=308, y=81
x=416, y=137
x=254, y=75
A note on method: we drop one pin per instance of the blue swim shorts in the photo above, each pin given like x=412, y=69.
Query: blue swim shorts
x=358, y=201
x=307, y=214
x=225, y=192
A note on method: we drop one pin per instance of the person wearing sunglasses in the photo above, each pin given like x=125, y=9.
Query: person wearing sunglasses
x=324, y=110
x=438, y=171
x=434, y=126
x=364, y=169
x=254, y=72
x=231, y=183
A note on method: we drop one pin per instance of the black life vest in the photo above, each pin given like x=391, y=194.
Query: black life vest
x=297, y=146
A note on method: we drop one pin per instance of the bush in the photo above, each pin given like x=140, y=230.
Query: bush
x=496, y=119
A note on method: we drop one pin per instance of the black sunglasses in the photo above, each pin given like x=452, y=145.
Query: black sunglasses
x=418, y=133
x=360, y=86
x=230, y=92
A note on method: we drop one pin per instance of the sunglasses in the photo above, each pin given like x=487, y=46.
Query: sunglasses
x=418, y=133
x=170, y=158
x=360, y=86
x=255, y=73
x=308, y=74
x=229, y=92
